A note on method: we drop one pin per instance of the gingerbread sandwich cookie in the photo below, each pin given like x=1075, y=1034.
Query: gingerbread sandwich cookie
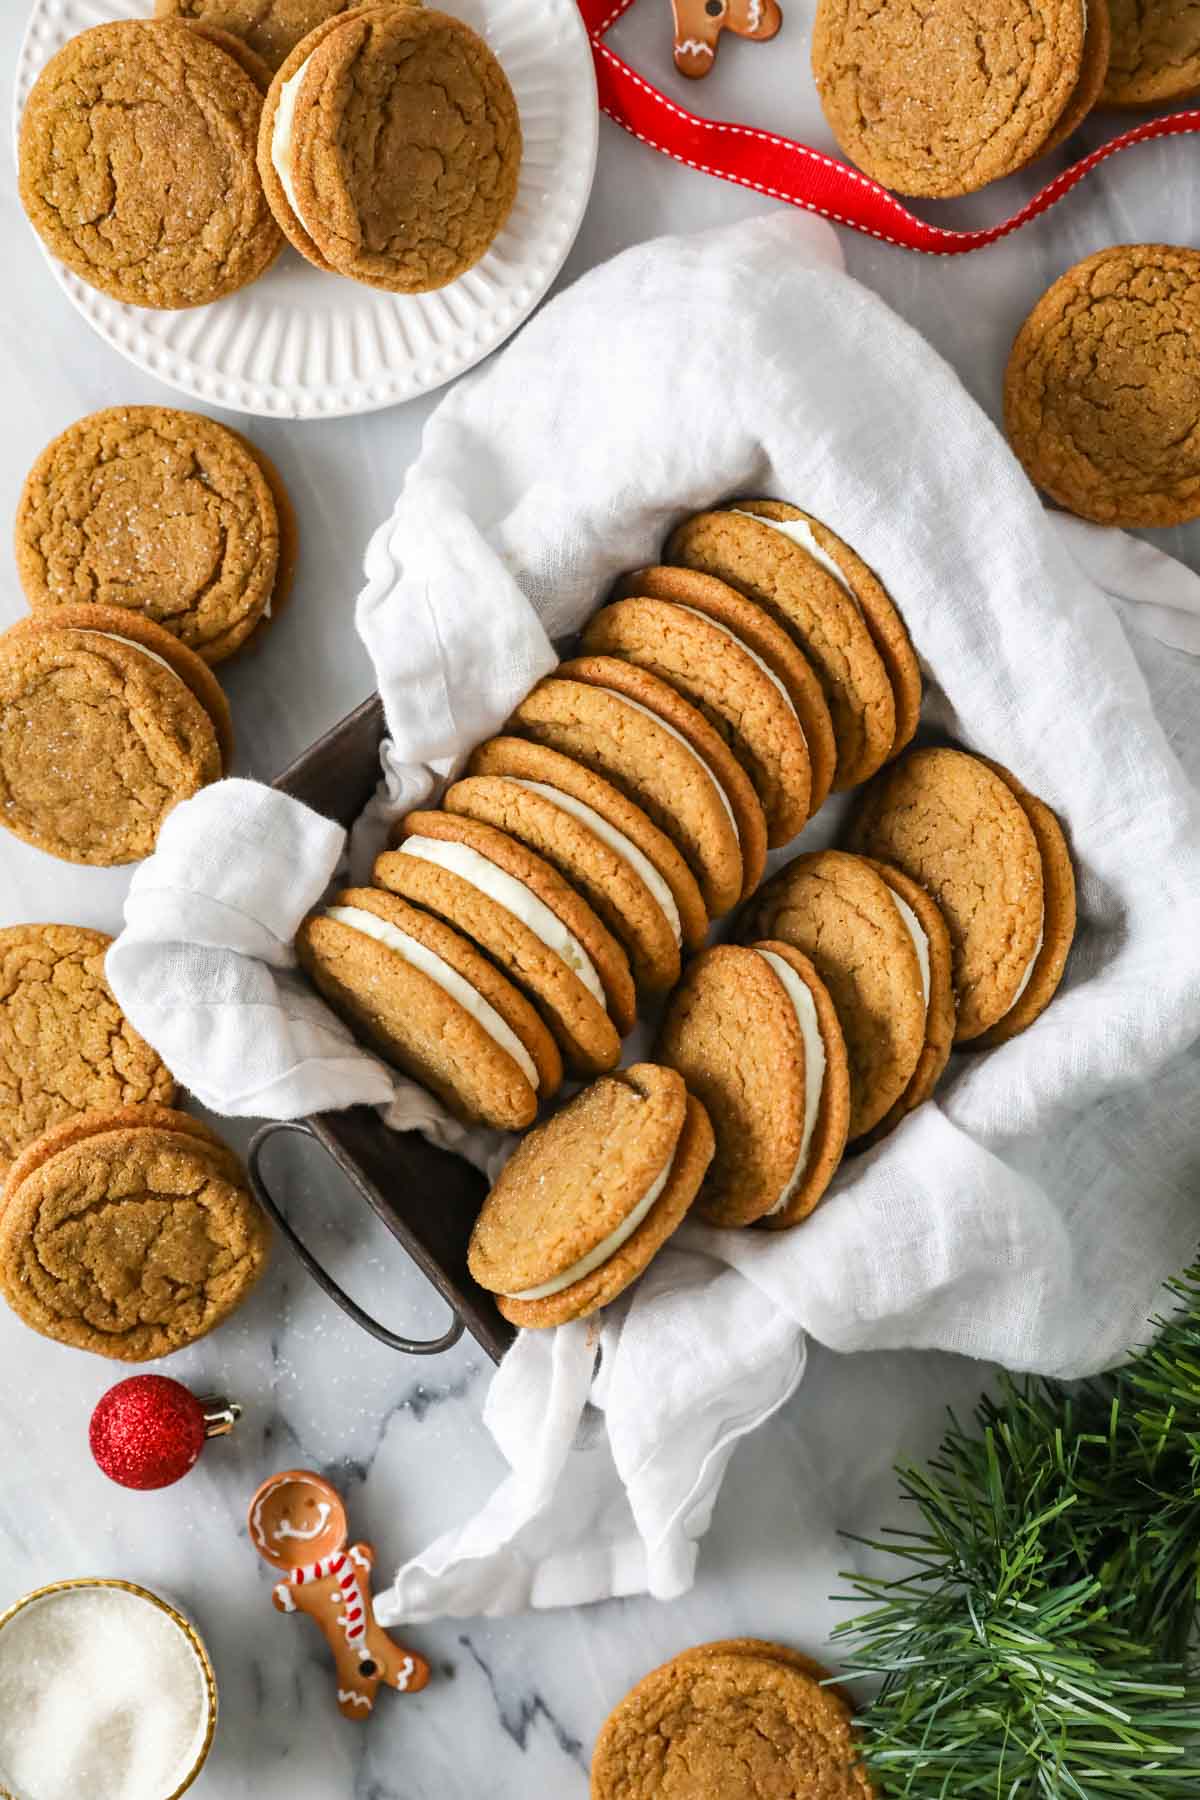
x=756, y=1038
x=137, y=165
x=931, y=937
x=129, y=1233
x=589, y=1197
x=737, y=692
x=741, y=1719
x=106, y=723
x=424, y=997
x=269, y=29
x=953, y=824
x=772, y=562
x=1155, y=56
x=1102, y=390
x=162, y=513
x=66, y=1047
x=523, y=760
x=237, y=47
x=941, y=102
x=1097, y=50
x=390, y=147
x=868, y=949
x=601, y=863
x=518, y=909
x=766, y=641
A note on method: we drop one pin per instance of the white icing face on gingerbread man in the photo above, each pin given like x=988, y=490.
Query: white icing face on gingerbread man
x=298, y=1520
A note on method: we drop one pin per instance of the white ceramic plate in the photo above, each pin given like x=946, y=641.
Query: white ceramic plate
x=300, y=344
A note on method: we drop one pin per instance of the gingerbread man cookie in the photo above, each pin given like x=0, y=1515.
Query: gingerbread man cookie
x=699, y=24
x=298, y=1525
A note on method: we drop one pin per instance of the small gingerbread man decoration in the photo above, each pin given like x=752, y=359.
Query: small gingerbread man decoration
x=298, y=1524
x=699, y=24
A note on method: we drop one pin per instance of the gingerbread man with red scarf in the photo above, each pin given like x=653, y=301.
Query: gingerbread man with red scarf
x=298, y=1524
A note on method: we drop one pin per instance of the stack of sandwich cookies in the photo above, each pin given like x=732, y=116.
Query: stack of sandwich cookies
x=162, y=513
x=106, y=723
x=754, y=1034
x=390, y=147
x=737, y=692
x=873, y=954
x=520, y=912
x=129, y=1233
x=965, y=831
x=428, y=1001
x=588, y=1198
x=815, y=588
x=766, y=641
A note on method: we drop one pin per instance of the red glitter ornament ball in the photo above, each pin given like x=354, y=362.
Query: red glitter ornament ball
x=147, y=1432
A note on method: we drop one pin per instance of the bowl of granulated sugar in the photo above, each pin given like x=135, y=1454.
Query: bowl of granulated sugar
x=106, y=1692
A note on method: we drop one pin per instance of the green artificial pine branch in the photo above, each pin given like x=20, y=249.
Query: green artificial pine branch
x=1035, y=1642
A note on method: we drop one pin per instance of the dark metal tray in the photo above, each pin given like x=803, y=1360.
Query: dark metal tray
x=427, y=1198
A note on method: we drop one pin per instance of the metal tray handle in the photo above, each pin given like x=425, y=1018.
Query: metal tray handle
x=322, y=1277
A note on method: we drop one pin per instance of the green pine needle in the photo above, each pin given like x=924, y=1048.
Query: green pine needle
x=1036, y=1641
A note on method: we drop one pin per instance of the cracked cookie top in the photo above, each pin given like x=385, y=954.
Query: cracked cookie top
x=137, y=168
x=271, y=28
x=1155, y=55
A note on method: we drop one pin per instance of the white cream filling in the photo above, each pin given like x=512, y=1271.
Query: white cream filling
x=606, y=1248
x=617, y=842
x=281, y=135
x=1027, y=977
x=743, y=646
x=805, y=1009
x=801, y=532
x=448, y=979
x=132, y=644
x=692, y=752
x=514, y=897
x=920, y=938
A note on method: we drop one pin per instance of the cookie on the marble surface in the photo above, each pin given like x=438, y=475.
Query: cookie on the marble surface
x=130, y=1233
x=754, y=1033
x=137, y=165
x=951, y=823
x=942, y=101
x=1155, y=56
x=1058, y=922
x=838, y=911
x=653, y=765
x=106, y=723
x=390, y=147
x=767, y=640
x=159, y=512
x=523, y=915
x=425, y=998
x=706, y=662
x=1102, y=390
x=589, y=1197
x=524, y=760
x=931, y=937
x=65, y=1045
x=271, y=29
x=764, y=560
x=603, y=865
x=741, y=1720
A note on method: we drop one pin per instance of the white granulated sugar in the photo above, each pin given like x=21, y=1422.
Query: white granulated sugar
x=101, y=1695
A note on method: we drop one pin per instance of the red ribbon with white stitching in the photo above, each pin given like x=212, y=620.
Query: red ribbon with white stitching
x=787, y=170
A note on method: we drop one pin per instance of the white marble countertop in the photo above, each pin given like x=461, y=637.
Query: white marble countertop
x=514, y=1705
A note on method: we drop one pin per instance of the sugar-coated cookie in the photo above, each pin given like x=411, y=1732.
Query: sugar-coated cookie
x=589, y=1197
x=160, y=512
x=129, y=1233
x=390, y=147
x=942, y=100
x=754, y=1034
x=840, y=912
x=425, y=998
x=137, y=165
x=767, y=640
x=65, y=1045
x=777, y=564
x=271, y=29
x=742, y=1720
x=1102, y=390
x=951, y=823
x=106, y=723
x=571, y=780
x=705, y=661
x=1155, y=56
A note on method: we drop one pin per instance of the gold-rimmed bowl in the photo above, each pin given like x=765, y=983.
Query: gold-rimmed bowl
x=206, y=1724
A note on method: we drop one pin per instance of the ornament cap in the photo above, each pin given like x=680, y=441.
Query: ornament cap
x=220, y=1414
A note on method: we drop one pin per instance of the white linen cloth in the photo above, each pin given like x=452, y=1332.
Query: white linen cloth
x=1031, y=1211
